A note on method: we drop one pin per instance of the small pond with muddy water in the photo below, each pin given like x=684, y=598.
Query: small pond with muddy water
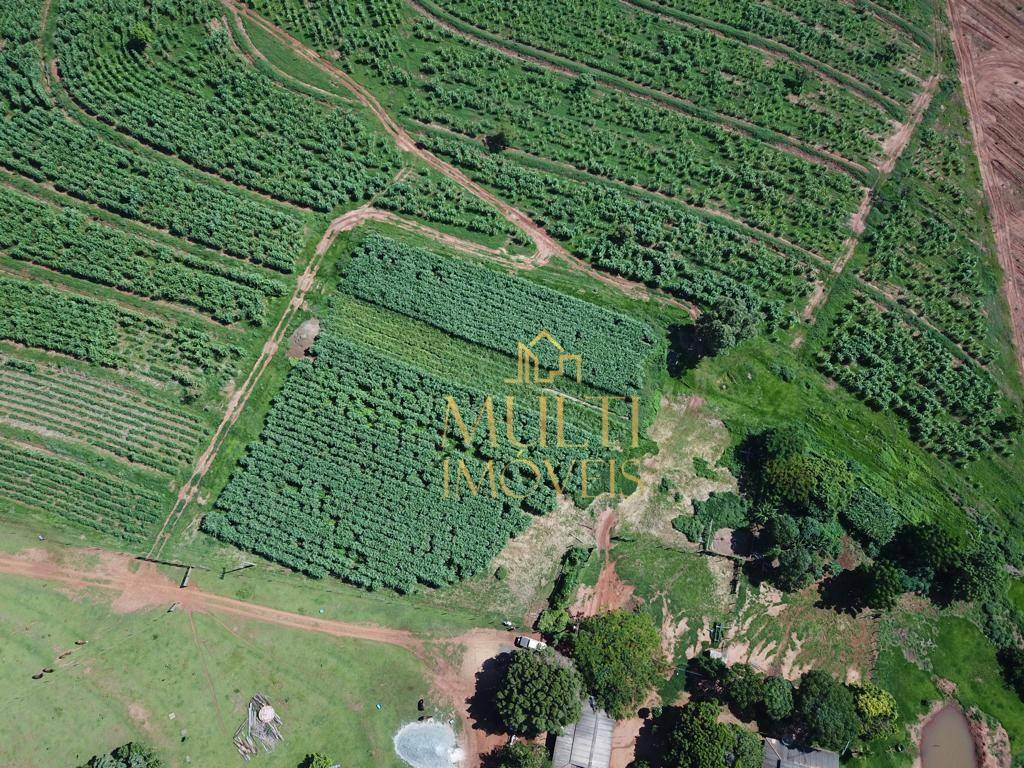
x=946, y=740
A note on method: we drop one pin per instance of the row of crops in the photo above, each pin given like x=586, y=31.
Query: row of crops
x=57, y=485
x=40, y=143
x=498, y=311
x=431, y=197
x=928, y=243
x=103, y=332
x=348, y=476
x=848, y=36
x=189, y=93
x=61, y=238
x=952, y=406
x=653, y=242
x=693, y=64
x=67, y=405
x=437, y=78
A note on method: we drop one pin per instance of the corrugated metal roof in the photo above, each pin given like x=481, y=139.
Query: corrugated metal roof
x=778, y=755
x=588, y=743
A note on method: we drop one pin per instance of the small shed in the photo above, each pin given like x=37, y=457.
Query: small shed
x=588, y=743
x=778, y=755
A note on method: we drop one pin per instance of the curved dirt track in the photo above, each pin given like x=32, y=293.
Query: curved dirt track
x=544, y=243
x=988, y=37
x=140, y=586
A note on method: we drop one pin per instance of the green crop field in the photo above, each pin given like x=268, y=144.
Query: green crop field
x=419, y=316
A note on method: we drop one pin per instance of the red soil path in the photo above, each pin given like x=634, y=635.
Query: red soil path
x=140, y=586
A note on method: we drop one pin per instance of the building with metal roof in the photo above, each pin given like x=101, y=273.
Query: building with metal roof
x=588, y=743
x=778, y=755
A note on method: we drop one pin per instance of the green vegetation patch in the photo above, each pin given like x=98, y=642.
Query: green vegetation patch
x=499, y=312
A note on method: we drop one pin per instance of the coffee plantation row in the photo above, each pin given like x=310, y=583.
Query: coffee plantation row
x=190, y=94
x=61, y=238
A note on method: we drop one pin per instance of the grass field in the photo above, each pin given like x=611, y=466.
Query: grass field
x=182, y=682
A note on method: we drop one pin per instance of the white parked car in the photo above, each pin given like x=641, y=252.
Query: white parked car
x=528, y=642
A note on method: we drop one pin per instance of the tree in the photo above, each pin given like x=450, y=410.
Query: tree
x=745, y=688
x=783, y=442
x=131, y=755
x=870, y=518
x=743, y=749
x=518, y=755
x=140, y=37
x=876, y=708
x=883, y=583
x=806, y=483
x=725, y=325
x=619, y=655
x=778, y=698
x=538, y=693
x=797, y=568
x=700, y=741
x=1012, y=661
x=827, y=710
x=317, y=760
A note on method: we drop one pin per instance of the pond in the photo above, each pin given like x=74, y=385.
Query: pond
x=946, y=740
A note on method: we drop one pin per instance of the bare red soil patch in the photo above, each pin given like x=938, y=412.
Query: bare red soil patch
x=988, y=37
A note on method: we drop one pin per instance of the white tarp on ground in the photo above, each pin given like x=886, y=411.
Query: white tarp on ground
x=428, y=744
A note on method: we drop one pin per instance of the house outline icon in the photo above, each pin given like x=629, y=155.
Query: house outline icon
x=528, y=369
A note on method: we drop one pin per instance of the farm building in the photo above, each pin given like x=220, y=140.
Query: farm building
x=778, y=755
x=588, y=743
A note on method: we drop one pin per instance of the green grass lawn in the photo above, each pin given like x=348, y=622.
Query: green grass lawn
x=965, y=657
x=183, y=683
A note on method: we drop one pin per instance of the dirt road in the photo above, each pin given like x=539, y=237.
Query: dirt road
x=988, y=37
x=545, y=245
x=139, y=585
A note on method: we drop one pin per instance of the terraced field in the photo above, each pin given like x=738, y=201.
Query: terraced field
x=253, y=254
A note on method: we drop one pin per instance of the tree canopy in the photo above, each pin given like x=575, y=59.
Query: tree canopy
x=828, y=710
x=131, y=755
x=699, y=741
x=538, y=693
x=619, y=655
x=518, y=755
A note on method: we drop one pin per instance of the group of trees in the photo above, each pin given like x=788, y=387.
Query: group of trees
x=952, y=406
x=925, y=238
x=349, y=475
x=71, y=489
x=818, y=709
x=65, y=240
x=38, y=141
x=500, y=311
x=476, y=91
x=849, y=38
x=554, y=619
x=435, y=198
x=654, y=242
x=102, y=332
x=619, y=655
